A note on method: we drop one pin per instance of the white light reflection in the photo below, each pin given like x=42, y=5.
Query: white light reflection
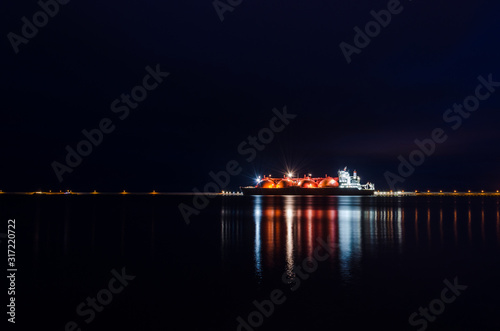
x=349, y=214
x=399, y=227
x=257, y=248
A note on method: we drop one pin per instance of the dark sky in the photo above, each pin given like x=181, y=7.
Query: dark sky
x=225, y=79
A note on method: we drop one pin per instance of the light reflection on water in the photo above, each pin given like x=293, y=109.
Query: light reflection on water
x=257, y=256
x=285, y=230
x=289, y=211
x=349, y=239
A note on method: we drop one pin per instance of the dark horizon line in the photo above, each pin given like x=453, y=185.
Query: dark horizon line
x=239, y=193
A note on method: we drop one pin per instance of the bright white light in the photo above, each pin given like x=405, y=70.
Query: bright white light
x=290, y=174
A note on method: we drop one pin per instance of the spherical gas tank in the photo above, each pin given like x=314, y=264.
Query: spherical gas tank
x=329, y=182
x=284, y=183
x=307, y=183
x=266, y=183
x=325, y=182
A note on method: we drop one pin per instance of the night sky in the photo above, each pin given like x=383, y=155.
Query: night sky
x=226, y=77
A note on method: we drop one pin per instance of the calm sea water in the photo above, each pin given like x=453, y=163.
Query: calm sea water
x=328, y=263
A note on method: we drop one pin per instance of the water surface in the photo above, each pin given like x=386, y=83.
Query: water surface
x=364, y=262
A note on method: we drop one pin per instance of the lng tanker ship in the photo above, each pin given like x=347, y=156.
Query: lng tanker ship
x=344, y=184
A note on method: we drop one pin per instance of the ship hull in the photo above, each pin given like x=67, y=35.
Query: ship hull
x=295, y=190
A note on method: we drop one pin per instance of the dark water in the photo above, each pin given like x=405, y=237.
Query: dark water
x=364, y=262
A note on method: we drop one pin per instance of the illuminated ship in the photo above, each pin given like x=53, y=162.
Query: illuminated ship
x=344, y=184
